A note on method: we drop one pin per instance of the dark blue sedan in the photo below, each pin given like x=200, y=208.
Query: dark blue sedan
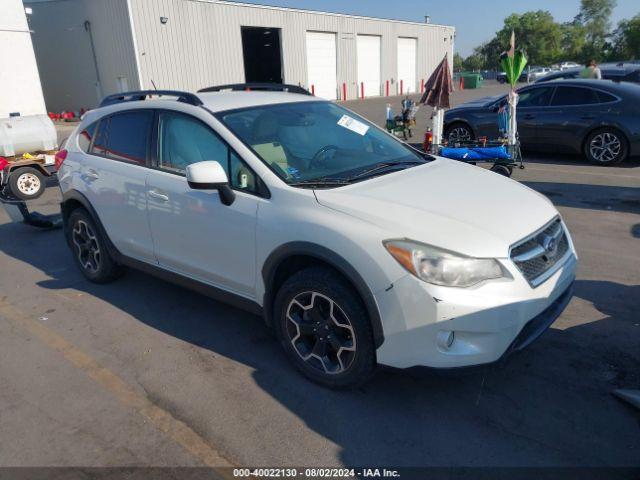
x=598, y=118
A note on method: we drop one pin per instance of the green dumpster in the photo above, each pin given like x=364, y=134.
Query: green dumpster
x=472, y=80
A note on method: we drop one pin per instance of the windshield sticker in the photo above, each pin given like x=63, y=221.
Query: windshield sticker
x=352, y=124
x=294, y=172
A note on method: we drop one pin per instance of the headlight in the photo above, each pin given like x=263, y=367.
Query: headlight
x=441, y=267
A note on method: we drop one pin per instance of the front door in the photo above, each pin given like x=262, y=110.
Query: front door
x=194, y=233
x=531, y=112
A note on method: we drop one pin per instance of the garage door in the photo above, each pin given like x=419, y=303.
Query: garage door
x=321, y=64
x=407, y=64
x=369, y=65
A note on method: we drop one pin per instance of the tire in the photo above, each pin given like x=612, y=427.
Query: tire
x=89, y=248
x=502, y=170
x=457, y=132
x=336, y=351
x=606, y=146
x=27, y=183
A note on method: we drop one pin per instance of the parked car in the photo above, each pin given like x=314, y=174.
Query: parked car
x=598, y=118
x=627, y=72
x=567, y=65
x=355, y=248
x=536, y=73
x=501, y=77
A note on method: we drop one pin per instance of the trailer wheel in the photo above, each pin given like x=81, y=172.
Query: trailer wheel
x=502, y=170
x=27, y=183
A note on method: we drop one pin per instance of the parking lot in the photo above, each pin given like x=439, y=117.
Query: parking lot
x=141, y=372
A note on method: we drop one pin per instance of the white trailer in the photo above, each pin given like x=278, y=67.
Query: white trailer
x=25, y=126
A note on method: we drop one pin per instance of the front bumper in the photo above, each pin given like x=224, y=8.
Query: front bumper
x=488, y=322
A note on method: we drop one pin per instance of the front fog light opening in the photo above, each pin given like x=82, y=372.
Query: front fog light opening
x=445, y=339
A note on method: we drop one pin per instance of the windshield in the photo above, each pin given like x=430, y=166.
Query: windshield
x=308, y=142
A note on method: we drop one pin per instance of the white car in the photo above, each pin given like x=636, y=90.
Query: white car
x=356, y=249
x=537, y=73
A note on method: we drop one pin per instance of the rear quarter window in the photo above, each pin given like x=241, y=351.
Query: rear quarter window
x=86, y=136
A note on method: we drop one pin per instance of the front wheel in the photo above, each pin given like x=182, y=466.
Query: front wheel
x=606, y=146
x=324, y=328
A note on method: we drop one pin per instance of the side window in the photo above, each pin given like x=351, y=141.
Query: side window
x=124, y=136
x=85, y=137
x=535, y=97
x=606, y=98
x=129, y=136
x=185, y=140
x=567, y=96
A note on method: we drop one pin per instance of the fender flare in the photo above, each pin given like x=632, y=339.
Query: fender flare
x=75, y=196
x=287, y=250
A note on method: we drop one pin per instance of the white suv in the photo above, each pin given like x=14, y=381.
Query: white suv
x=357, y=249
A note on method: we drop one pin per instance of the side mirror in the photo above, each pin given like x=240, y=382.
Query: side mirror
x=210, y=175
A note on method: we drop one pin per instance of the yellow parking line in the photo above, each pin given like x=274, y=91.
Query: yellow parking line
x=177, y=430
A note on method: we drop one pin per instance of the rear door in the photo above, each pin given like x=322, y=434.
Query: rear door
x=114, y=174
x=572, y=113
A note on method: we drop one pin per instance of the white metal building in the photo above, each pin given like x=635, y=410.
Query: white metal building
x=90, y=48
x=21, y=94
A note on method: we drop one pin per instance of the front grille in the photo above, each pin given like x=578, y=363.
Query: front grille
x=540, y=254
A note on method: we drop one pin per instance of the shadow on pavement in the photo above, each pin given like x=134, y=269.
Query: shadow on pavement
x=592, y=197
x=550, y=405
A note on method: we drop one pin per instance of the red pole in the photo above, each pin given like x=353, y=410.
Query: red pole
x=401, y=86
x=313, y=90
x=422, y=85
x=387, y=89
x=344, y=91
x=361, y=89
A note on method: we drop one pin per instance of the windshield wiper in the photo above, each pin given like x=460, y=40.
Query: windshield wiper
x=321, y=182
x=384, y=167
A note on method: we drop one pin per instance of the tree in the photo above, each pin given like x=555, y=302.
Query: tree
x=573, y=41
x=594, y=17
x=474, y=62
x=537, y=34
x=457, y=62
x=626, y=40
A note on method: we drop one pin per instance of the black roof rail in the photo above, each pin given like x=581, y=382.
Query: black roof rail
x=185, y=97
x=269, y=87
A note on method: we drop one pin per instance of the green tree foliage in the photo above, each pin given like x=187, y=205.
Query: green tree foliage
x=457, y=62
x=626, y=40
x=595, y=19
x=546, y=42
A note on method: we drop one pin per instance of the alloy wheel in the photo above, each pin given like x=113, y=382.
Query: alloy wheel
x=605, y=147
x=28, y=184
x=320, y=332
x=459, y=134
x=87, y=247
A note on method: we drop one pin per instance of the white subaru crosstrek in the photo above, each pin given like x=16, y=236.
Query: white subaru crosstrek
x=356, y=249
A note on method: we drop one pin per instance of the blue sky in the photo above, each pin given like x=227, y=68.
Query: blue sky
x=475, y=20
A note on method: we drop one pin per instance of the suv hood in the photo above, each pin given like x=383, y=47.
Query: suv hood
x=447, y=204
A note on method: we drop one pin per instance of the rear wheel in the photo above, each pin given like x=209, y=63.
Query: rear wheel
x=324, y=328
x=27, y=183
x=458, y=132
x=606, y=146
x=89, y=248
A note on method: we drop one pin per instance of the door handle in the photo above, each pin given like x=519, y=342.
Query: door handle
x=587, y=117
x=158, y=195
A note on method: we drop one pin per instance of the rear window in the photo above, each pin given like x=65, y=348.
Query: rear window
x=606, y=97
x=124, y=136
x=567, y=96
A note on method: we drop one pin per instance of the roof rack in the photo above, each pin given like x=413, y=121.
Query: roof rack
x=269, y=87
x=185, y=97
